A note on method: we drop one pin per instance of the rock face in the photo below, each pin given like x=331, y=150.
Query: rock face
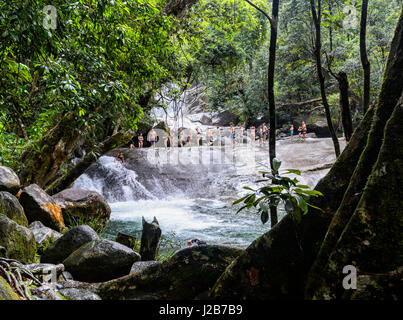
x=10, y=206
x=225, y=119
x=44, y=236
x=320, y=129
x=188, y=274
x=265, y=270
x=18, y=241
x=142, y=265
x=6, y=293
x=84, y=205
x=39, y=206
x=69, y=242
x=100, y=260
x=9, y=181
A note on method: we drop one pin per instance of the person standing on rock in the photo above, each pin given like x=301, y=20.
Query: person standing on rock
x=152, y=137
x=209, y=137
x=291, y=131
x=166, y=137
x=264, y=129
x=181, y=137
x=219, y=136
x=189, y=138
x=304, y=129
x=240, y=133
x=252, y=135
x=198, y=137
x=172, y=139
x=141, y=140
x=261, y=135
x=233, y=136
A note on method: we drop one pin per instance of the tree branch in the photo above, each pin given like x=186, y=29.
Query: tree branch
x=262, y=11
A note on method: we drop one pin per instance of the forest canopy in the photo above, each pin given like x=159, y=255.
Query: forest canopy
x=104, y=61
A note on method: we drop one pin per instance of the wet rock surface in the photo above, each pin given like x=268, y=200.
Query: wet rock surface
x=85, y=205
x=18, y=241
x=9, y=181
x=39, y=206
x=187, y=274
x=10, y=206
x=69, y=242
x=100, y=260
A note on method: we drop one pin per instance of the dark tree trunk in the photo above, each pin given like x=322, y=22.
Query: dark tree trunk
x=345, y=105
x=150, y=239
x=272, y=103
x=390, y=93
x=318, y=45
x=364, y=57
x=43, y=160
x=67, y=180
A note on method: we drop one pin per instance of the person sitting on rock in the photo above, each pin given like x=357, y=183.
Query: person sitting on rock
x=196, y=241
x=120, y=157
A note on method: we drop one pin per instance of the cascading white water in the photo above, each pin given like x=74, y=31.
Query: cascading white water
x=191, y=190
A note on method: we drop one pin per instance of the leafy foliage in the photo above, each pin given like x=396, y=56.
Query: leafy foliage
x=281, y=189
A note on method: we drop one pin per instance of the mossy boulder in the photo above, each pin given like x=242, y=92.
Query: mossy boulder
x=83, y=205
x=188, y=274
x=18, y=241
x=6, y=293
x=9, y=181
x=270, y=268
x=100, y=260
x=68, y=243
x=10, y=206
x=39, y=206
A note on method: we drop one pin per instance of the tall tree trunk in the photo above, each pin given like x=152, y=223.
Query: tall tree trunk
x=272, y=103
x=43, y=160
x=345, y=105
x=364, y=57
x=390, y=93
x=318, y=45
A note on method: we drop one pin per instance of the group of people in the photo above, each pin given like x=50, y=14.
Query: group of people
x=186, y=136
x=301, y=131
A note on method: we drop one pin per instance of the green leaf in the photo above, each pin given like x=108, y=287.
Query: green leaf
x=264, y=217
x=276, y=164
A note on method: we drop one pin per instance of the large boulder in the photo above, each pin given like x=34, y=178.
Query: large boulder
x=188, y=274
x=100, y=260
x=18, y=241
x=319, y=127
x=44, y=236
x=9, y=181
x=225, y=119
x=39, y=206
x=68, y=243
x=83, y=205
x=141, y=265
x=6, y=293
x=266, y=270
x=10, y=206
